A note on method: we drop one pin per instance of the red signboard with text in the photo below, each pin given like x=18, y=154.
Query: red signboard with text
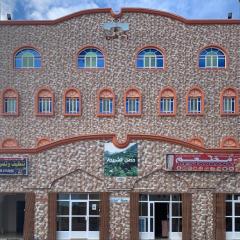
x=203, y=162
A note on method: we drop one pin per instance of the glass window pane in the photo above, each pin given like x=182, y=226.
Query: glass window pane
x=77, y=196
x=229, y=197
x=63, y=196
x=237, y=209
x=237, y=224
x=79, y=208
x=94, y=196
x=236, y=197
x=94, y=208
x=177, y=209
x=62, y=208
x=176, y=224
x=62, y=224
x=143, y=197
x=228, y=208
x=143, y=209
x=94, y=224
x=159, y=197
x=176, y=197
x=79, y=224
x=229, y=224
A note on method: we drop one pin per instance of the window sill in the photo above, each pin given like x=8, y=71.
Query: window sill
x=72, y=114
x=107, y=115
x=167, y=114
x=229, y=114
x=10, y=114
x=195, y=114
x=44, y=114
x=133, y=114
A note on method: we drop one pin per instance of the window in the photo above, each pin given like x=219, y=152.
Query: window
x=195, y=102
x=106, y=103
x=27, y=58
x=72, y=102
x=229, y=142
x=229, y=102
x=91, y=58
x=212, y=58
x=44, y=102
x=150, y=58
x=133, y=102
x=10, y=102
x=167, y=102
x=233, y=216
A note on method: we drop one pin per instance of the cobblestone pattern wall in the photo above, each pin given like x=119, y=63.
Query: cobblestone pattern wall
x=78, y=167
x=59, y=44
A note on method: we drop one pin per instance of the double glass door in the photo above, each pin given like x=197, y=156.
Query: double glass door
x=77, y=216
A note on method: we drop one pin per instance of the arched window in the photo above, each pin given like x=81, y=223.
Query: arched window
x=91, y=58
x=150, y=58
x=27, y=58
x=212, y=58
x=133, y=102
x=10, y=143
x=10, y=102
x=229, y=142
x=167, y=102
x=106, y=103
x=229, y=102
x=195, y=101
x=44, y=102
x=72, y=103
x=197, y=141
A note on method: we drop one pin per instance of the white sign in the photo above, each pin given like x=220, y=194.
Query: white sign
x=94, y=207
x=119, y=199
x=121, y=179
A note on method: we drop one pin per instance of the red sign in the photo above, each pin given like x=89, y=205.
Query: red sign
x=203, y=162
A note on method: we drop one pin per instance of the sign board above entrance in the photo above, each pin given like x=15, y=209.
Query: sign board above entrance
x=13, y=166
x=203, y=162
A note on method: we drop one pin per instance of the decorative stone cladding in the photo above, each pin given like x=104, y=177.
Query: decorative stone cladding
x=78, y=166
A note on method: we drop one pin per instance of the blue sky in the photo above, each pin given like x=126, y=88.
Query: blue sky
x=52, y=9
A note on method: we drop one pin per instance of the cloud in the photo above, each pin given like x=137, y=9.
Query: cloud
x=6, y=6
x=52, y=9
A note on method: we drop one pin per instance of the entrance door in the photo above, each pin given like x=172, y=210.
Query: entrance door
x=161, y=220
x=20, y=206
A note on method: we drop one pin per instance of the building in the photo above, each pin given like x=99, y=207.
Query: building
x=120, y=126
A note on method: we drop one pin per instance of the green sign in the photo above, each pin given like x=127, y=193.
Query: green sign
x=120, y=162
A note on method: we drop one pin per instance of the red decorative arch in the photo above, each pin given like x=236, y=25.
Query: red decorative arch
x=43, y=141
x=44, y=92
x=229, y=142
x=106, y=93
x=133, y=92
x=167, y=92
x=9, y=93
x=73, y=93
x=197, y=141
x=229, y=92
x=10, y=143
x=195, y=92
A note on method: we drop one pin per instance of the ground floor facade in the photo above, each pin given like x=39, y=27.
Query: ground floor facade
x=68, y=194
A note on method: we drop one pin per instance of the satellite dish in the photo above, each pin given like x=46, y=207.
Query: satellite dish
x=116, y=25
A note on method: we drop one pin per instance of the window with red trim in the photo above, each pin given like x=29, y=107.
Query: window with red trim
x=133, y=102
x=229, y=142
x=72, y=102
x=195, y=101
x=229, y=101
x=106, y=102
x=10, y=102
x=44, y=102
x=167, y=102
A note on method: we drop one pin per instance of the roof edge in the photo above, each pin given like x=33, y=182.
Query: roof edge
x=120, y=14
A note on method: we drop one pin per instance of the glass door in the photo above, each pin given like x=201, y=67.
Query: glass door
x=78, y=216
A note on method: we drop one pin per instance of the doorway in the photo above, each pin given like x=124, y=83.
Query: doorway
x=161, y=220
x=20, y=216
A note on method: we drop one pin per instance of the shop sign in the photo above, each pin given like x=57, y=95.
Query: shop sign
x=13, y=166
x=120, y=162
x=119, y=199
x=203, y=162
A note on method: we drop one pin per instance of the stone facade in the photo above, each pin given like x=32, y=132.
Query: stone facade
x=77, y=166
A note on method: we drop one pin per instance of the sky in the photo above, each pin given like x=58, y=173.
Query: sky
x=53, y=9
